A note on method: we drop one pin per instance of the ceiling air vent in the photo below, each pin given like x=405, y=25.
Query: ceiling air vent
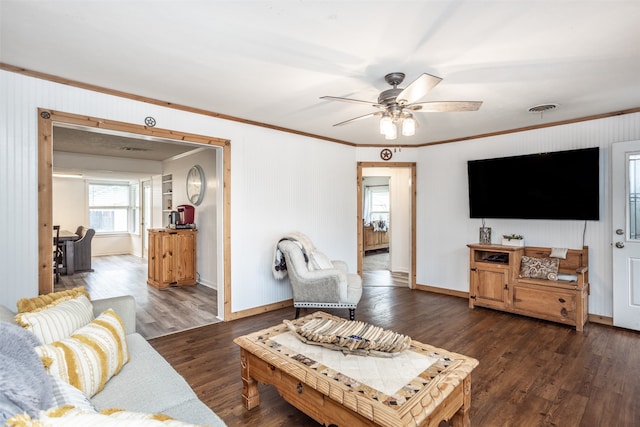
x=133, y=149
x=543, y=108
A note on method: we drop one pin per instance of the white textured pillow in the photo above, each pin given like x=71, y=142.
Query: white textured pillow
x=72, y=417
x=91, y=356
x=558, y=253
x=320, y=261
x=58, y=320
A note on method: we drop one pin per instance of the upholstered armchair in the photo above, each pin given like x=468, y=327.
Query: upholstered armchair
x=319, y=282
x=82, y=249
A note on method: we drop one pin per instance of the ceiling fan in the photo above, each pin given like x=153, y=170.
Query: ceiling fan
x=396, y=106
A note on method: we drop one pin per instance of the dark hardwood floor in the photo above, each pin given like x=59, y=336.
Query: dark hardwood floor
x=158, y=312
x=531, y=372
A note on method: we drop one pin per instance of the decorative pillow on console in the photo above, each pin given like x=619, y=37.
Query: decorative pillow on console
x=68, y=416
x=539, y=268
x=32, y=304
x=91, y=356
x=57, y=320
x=559, y=253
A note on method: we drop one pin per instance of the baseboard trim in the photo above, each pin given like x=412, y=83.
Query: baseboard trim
x=259, y=310
x=435, y=290
x=603, y=320
x=593, y=318
x=208, y=284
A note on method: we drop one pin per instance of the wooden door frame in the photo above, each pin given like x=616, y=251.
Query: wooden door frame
x=46, y=120
x=359, y=227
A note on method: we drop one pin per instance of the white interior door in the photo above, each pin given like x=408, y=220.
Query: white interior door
x=625, y=164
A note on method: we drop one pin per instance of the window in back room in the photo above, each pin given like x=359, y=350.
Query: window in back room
x=113, y=207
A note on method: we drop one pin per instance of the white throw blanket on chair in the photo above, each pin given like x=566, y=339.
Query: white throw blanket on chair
x=298, y=238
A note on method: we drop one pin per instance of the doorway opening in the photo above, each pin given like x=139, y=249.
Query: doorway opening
x=386, y=224
x=48, y=119
x=376, y=213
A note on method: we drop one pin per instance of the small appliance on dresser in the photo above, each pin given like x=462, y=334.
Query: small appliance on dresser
x=183, y=218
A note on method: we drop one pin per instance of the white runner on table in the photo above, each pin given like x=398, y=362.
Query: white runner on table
x=386, y=374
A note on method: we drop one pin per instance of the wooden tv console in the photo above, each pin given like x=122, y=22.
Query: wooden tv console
x=495, y=283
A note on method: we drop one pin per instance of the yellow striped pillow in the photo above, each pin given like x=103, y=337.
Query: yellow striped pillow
x=32, y=304
x=58, y=320
x=91, y=356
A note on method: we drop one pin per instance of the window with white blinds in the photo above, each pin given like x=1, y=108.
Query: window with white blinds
x=110, y=207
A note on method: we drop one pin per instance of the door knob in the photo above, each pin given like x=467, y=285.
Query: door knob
x=619, y=231
x=619, y=245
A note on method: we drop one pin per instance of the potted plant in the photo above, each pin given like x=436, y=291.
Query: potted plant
x=512, y=240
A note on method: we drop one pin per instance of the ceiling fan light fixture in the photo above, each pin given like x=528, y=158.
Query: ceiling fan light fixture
x=392, y=132
x=409, y=126
x=396, y=105
x=386, y=123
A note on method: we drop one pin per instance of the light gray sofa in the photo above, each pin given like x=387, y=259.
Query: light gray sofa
x=147, y=383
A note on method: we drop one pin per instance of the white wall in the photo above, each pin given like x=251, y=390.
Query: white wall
x=205, y=213
x=282, y=182
x=444, y=216
x=157, y=216
x=70, y=210
x=70, y=195
x=69, y=200
x=443, y=224
x=279, y=182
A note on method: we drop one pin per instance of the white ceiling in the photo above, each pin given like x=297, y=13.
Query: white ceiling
x=98, y=142
x=270, y=61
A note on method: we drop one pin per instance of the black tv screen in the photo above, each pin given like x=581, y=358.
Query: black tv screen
x=555, y=185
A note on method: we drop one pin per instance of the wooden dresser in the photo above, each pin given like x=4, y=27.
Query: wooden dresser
x=495, y=283
x=374, y=239
x=172, y=257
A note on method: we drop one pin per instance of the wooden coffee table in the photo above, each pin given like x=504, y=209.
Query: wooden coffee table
x=420, y=387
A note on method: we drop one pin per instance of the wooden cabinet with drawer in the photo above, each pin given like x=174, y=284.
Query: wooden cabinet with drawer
x=171, y=258
x=493, y=269
x=545, y=303
x=494, y=282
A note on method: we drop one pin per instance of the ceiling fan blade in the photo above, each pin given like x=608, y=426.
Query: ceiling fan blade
x=417, y=89
x=358, y=118
x=444, y=106
x=357, y=101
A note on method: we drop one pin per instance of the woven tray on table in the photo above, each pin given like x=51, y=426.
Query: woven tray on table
x=350, y=336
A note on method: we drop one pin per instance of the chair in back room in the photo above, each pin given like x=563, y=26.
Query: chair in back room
x=82, y=249
x=57, y=252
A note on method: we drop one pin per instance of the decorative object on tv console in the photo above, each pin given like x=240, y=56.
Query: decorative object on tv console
x=485, y=234
x=512, y=240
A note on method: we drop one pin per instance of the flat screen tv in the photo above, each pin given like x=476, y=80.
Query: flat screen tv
x=555, y=185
